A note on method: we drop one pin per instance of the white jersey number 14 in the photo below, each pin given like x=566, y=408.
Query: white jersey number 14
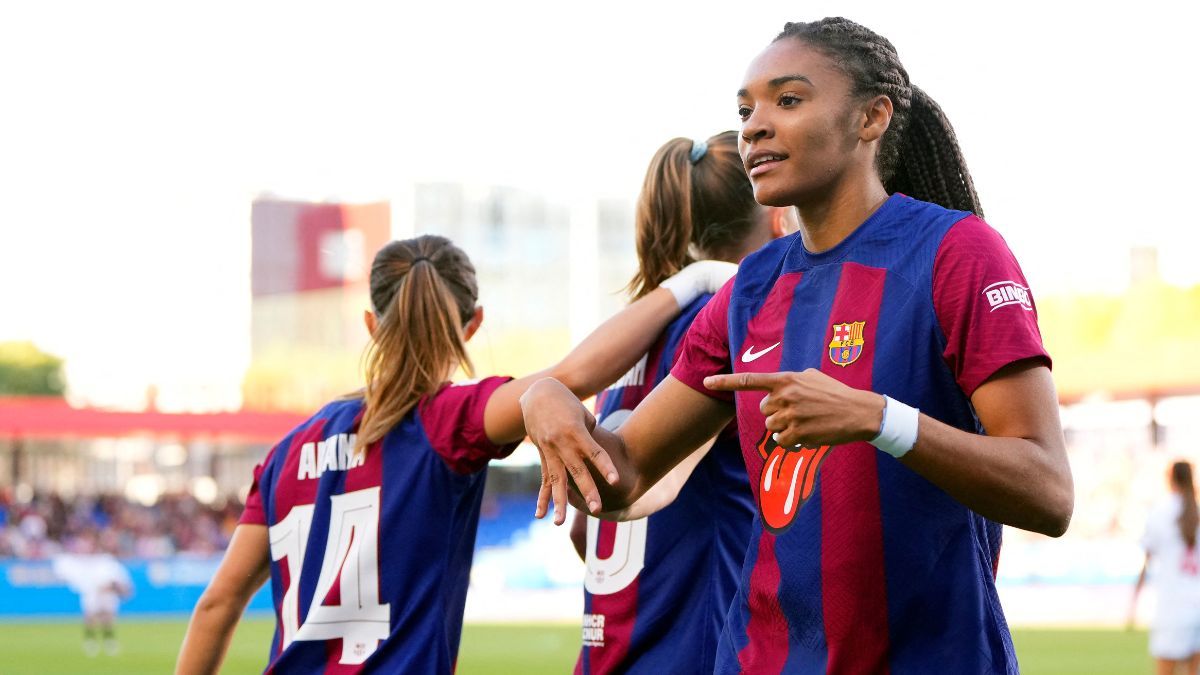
x=352, y=559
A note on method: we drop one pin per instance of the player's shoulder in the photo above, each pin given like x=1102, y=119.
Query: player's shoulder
x=462, y=389
x=455, y=403
x=920, y=220
x=1167, y=509
x=758, y=271
x=688, y=314
x=971, y=233
x=337, y=416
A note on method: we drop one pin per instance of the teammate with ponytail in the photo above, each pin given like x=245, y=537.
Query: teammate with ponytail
x=364, y=517
x=656, y=601
x=1173, y=564
x=863, y=358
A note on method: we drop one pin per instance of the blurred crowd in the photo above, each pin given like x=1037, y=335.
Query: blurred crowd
x=49, y=524
x=1117, y=479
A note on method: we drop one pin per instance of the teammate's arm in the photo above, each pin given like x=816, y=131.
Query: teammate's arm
x=1016, y=475
x=611, y=350
x=657, y=498
x=608, y=468
x=663, y=493
x=243, y=570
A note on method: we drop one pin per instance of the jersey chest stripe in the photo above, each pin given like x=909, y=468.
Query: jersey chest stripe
x=767, y=649
x=852, y=565
x=764, y=329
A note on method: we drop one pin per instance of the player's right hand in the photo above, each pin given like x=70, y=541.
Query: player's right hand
x=561, y=428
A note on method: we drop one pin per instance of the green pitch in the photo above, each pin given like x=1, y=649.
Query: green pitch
x=151, y=646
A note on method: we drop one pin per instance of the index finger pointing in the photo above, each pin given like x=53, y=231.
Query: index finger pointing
x=743, y=381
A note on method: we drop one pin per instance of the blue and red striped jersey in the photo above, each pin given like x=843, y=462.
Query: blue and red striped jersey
x=864, y=566
x=371, y=553
x=658, y=589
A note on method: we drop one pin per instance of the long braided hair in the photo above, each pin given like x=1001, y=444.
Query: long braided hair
x=919, y=154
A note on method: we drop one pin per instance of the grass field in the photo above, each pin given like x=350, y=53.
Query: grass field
x=150, y=647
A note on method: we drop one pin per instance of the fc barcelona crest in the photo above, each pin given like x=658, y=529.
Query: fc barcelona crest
x=847, y=344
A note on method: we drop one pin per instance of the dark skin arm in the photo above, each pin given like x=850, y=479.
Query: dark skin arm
x=579, y=534
x=661, y=495
x=672, y=422
x=1016, y=475
x=598, y=361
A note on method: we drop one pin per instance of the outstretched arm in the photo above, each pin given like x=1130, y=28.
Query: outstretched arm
x=243, y=570
x=1016, y=475
x=611, y=350
x=663, y=493
x=608, y=468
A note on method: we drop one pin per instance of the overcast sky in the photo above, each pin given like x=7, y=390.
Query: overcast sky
x=133, y=136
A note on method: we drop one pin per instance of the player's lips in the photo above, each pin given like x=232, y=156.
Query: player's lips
x=762, y=161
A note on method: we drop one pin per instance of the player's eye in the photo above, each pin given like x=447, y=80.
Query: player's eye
x=744, y=112
x=788, y=100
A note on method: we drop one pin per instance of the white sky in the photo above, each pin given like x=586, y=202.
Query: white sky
x=133, y=136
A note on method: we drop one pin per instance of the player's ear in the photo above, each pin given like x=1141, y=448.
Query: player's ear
x=369, y=321
x=473, y=324
x=876, y=118
x=783, y=221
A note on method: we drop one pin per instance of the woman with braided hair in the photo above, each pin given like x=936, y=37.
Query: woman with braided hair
x=864, y=357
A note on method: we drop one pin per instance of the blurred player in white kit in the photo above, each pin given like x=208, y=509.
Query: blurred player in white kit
x=1170, y=541
x=101, y=582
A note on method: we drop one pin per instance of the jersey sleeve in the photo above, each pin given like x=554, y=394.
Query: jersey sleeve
x=983, y=304
x=453, y=422
x=705, y=348
x=254, y=513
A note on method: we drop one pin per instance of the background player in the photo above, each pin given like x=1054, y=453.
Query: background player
x=887, y=562
x=364, y=517
x=657, y=589
x=101, y=582
x=1174, y=566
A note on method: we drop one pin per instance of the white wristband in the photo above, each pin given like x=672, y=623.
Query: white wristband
x=698, y=278
x=898, y=433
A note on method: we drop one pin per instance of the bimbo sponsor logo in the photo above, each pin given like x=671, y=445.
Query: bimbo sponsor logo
x=1005, y=293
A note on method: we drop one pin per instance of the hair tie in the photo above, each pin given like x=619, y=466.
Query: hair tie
x=420, y=258
x=699, y=149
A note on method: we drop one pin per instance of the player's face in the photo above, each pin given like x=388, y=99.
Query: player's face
x=799, y=134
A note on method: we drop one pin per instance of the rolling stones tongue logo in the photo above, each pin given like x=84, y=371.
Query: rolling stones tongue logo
x=788, y=476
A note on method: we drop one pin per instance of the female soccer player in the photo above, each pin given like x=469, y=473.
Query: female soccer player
x=827, y=344
x=657, y=588
x=1170, y=543
x=364, y=517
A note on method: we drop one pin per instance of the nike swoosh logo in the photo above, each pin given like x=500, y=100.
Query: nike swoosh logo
x=752, y=355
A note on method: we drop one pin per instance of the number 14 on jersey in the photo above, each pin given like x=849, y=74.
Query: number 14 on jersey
x=351, y=561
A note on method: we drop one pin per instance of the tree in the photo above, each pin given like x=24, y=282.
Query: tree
x=26, y=370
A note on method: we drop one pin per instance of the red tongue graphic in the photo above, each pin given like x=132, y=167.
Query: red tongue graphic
x=788, y=477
